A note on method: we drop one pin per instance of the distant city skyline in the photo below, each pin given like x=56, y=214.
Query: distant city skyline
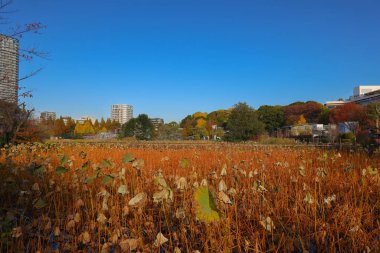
x=172, y=58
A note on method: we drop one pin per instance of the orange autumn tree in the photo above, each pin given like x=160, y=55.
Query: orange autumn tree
x=348, y=112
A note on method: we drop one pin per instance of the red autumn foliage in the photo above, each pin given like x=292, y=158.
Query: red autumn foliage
x=348, y=112
x=310, y=110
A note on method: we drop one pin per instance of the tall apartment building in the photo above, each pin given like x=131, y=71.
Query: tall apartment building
x=48, y=116
x=121, y=113
x=8, y=69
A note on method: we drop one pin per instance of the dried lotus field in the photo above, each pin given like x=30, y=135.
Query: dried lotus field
x=115, y=197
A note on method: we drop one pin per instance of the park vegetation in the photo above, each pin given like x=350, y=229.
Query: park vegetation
x=239, y=123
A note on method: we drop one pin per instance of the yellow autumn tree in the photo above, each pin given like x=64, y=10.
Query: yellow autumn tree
x=103, y=130
x=78, y=128
x=88, y=128
x=301, y=120
x=200, y=115
x=201, y=123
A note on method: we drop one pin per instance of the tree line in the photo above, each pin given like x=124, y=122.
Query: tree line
x=239, y=123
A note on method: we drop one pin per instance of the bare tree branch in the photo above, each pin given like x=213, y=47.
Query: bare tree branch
x=30, y=74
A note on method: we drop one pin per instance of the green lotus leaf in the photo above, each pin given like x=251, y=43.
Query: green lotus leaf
x=40, y=203
x=64, y=159
x=128, y=158
x=61, y=170
x=206, y=208
x=107, y=179
x=106, y=163
x=184, y=163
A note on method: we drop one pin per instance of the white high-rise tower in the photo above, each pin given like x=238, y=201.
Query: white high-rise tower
x=121, y=113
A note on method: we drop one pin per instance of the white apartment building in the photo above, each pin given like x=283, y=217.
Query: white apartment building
x=121, y=113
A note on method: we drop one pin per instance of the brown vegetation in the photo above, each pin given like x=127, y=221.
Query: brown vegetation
x=215, y=198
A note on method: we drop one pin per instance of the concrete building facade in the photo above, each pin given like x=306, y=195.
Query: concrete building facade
x=48, y=116
x=9, y=66
x=363, y=95
x=121, y=113
x=364, y=89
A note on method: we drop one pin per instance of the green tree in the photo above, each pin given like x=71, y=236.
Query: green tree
x=108, y=124
x=115, y=125
x=96, y=126
x=243, y=123
x=272, y=117
x=102, y=123
x=141, y=128
x=169, y=131
x=185, y=121
x=324, y=117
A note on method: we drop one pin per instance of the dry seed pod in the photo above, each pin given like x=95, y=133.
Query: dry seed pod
x=114, y=238
x=36, y=187
x=165, y=194
x=224, y=170
x=84, y=237
x=77, y=218
x=160, y=239
x=128, y=245
x=104, y=193
x=232, y=192
x=106, y=248
x=122, y=189
x=104, y=204
x=57, y=231
x=79, y=203
x=180, y=213
x=125, y=210
x=222, y=186
x=101, y=218
x=160, y=182
x=70, y=225
x=139, y=200
x=16, y=232
x=181, y=184
x=224, y=198
x=267, y=223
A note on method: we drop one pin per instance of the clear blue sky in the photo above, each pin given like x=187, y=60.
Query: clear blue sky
x=170, y=58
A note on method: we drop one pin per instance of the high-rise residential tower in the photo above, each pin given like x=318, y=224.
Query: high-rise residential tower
x=8, y=69
x=121, y=113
